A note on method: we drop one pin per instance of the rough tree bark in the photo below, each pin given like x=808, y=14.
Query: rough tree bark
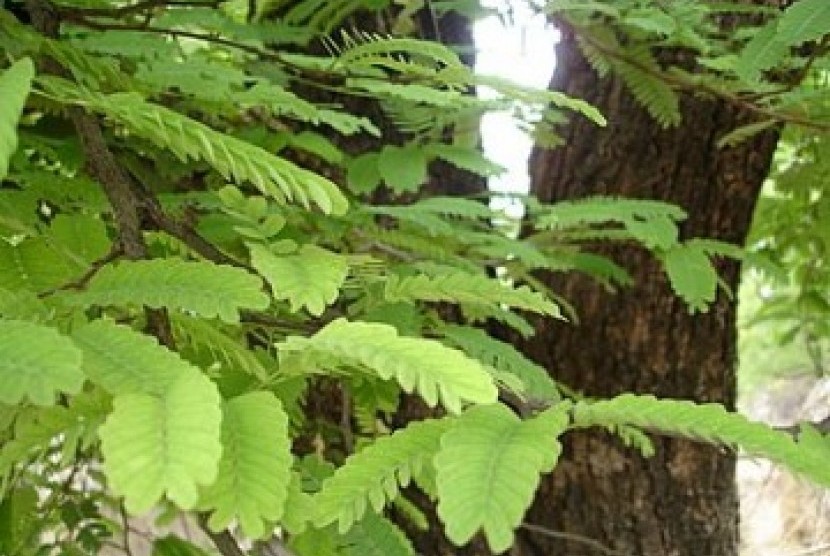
x=682, y=501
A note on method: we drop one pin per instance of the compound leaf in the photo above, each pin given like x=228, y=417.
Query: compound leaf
x=488, y=468
x=373, y=474
x=124, y=361
x=255, y=470
x=310, y=278
x=36, y=362
x=163, y=445
x=807, y=454
x=427, y=366
x=15, y=84
x=205, y=288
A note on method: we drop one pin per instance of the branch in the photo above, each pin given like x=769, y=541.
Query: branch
x=682, y=84
x=227, y=545
x=80, y=283
x=181, y=230
x=102, y=165
x=70, y=12
x=84, y=21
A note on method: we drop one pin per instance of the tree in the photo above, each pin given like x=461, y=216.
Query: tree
x=183, y=261
x=672, y=145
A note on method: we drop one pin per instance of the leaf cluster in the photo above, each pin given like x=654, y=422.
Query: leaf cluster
x=205, y=309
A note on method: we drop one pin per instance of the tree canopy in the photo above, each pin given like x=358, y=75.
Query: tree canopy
x=187, y=256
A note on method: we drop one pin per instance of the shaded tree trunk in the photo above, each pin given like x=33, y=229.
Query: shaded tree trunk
x=682, y=501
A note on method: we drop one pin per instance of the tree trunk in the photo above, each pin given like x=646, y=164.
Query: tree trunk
x=682, y=501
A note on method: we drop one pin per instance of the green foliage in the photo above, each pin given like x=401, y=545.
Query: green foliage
x=801, y=22
x=653, y=223
x=784, y=304
x=536, y=382
x=310, y=278
x=375, y=473
x=252, y=482
x=427, y=366
x=15, y=84
x=189, y=139
x=488, y=469
x=163, y=445
x=806, y=454
x=220, y=266
x=36, y=362
x=207, y=289
x=123, y=361
x=691, y=274
x=466, y=288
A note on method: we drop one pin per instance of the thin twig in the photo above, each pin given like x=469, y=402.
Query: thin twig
x=68, y=12
x=79, y=19
x=572, y=537
x=81, y=282
x=125, y=520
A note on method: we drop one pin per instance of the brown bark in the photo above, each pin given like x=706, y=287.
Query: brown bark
x=682, y=501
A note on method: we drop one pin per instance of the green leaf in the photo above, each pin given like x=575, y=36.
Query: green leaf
x=692, y=275
x=310, y=278
x=376, y=536
x=174, y=546
x=255, y=470
x=538, y=385
x=19, y=523
x=317, y=144
x=641, y=75
x=488, y=469
x=427, y=366
x=189, y=139
x=807, y=454
x=805, y=20
x=374, y=473
x=466, y=158
x=226, y=344
x=124, y=361
x=653, y=223
x=403, y=168
x=207, y=289
x=163, y=445
x=464, y=287
x=15, y=84
x=363, y=173
x=36, y=363
x=22, y=304
x=299, y=510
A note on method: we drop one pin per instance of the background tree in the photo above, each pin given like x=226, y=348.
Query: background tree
x=671, y=142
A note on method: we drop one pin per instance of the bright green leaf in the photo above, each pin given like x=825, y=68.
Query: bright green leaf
x=36, y=362
x=202, y=287
x=692, y=275
x=124, y=361
x=163, y=445
x=488, y=469
x=15, y=84
x=310, y=278
x=427, y=366
x=371, y=477
x=403, y=168
x=255, y=469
